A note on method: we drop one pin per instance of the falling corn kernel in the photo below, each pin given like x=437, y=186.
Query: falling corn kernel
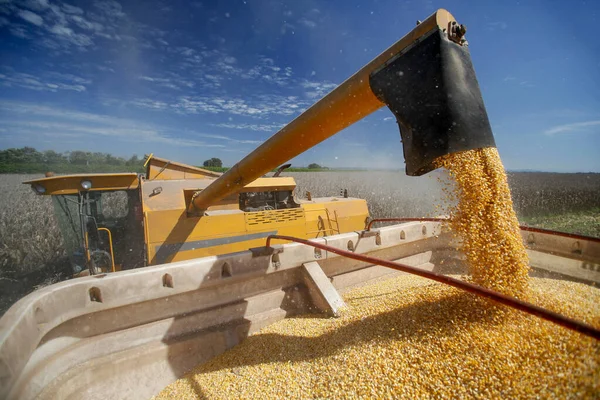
x=485, y=221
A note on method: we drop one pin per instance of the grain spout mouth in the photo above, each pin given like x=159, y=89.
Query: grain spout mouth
x=432, y=90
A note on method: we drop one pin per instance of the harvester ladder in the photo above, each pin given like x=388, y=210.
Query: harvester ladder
x=335, y=220
x=324, y=229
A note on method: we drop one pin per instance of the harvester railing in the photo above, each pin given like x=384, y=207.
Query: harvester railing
x=523, y=227
x=509, y=301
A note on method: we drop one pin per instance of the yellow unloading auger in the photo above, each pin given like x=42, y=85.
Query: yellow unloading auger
x=426, y=79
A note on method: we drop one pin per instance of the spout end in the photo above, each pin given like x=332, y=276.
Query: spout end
x=432, y=90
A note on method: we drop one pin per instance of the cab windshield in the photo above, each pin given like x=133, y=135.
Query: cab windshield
x=66, y=209
x=85, y=220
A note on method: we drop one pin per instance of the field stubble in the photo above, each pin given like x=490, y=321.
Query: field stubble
x=31, y=246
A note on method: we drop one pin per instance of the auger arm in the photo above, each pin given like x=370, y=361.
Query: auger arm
x=426, y=79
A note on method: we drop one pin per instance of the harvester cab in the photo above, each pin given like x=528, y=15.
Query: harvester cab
x=99, y=216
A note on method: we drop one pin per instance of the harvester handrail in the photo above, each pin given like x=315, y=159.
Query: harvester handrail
x=523, y=227
x=556, y=233
x=513, y=302
x=371, y=222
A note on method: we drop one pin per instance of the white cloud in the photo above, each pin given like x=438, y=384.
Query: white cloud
x=257, y=106
x=227, y=138
x=85, y=24
x=252, y=127
x=492, y=26
x=66, y=38
x=307, y=23
x=105, y=69
x=53, y=122
x=573, y=127
x=266, y=70
x=69, y=9
x=186, y=51
x=174, y=81
x=110, y=8
x=287, y=26
x=37, y=5
x=70, y=27
x=316, y=90
x=149, y=103
x=61, y=30
x=69, y=78
x=209, y=68
x=18, y=30
x=31, y=17
x=53, y=83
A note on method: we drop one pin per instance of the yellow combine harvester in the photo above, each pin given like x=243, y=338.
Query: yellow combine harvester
x=126, y=335
x=112, y=222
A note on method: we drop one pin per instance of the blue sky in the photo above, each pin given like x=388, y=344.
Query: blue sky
x=194, y=80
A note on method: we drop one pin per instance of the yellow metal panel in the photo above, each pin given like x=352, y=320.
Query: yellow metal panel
x=160, y=168
x=173, y=239
x=173, y=236
x=270, y=184
x=197, y=252
x=174, y=226
x=71, y=184
x=169, y=194
x=257, y=221
x=338, y=216
x=177, y=193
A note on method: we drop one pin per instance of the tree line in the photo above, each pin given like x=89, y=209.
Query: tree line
x=29, y=160
x=29, y=155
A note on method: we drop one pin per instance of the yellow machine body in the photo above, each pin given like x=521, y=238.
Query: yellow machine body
x=173, y=234
x=158, y=210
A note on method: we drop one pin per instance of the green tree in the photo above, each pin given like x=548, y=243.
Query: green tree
x=96, y=158
x=134, y=160
x=31, y=155
x=314, y=166
x=78, y=157
x=23, y=155
x=52, y=157
x=213, y=162
x=112, y=160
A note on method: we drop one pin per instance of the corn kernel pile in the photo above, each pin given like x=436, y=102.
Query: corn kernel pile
x=409, y=338
x=485, y=221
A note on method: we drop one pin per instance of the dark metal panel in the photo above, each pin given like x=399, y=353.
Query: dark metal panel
x=432, y=90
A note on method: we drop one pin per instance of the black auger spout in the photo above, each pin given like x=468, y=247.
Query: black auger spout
x=432, y=90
